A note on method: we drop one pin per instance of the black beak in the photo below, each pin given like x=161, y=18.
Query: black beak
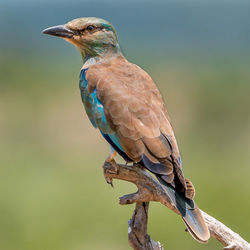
x=59, y=30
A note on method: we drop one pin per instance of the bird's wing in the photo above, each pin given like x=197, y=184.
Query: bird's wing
x=135, y=111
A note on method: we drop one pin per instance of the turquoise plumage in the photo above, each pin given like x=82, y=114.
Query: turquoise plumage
x=93, y=106
x=96, y=115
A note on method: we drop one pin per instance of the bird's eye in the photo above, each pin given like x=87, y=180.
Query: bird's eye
x=90, y=27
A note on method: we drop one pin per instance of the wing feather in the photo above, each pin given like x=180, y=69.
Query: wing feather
x=135, y=110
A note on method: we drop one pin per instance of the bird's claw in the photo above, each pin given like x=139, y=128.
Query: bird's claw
x=109, y=181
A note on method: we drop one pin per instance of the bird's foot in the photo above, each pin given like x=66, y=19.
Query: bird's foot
x=112, y=169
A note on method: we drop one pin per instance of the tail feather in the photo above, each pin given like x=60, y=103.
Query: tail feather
x=189, y=211
x=196, y=225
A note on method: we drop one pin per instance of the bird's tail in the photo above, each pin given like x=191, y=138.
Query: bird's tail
x=189, y=211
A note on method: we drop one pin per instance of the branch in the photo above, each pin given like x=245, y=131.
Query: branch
x=151, y=190
x=137, y=229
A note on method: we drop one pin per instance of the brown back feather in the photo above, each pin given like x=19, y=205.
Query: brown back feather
x=135, y=110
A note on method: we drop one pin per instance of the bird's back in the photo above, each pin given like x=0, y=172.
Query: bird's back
x=135, y=110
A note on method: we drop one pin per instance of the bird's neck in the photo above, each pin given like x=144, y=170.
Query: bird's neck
x=99, y=54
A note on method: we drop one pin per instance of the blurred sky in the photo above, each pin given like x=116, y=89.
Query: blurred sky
x=129, y=1
x=179, y=26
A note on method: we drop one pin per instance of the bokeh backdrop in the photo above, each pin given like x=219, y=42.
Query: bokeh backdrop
x=52, y=192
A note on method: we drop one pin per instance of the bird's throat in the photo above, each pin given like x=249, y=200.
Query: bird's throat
x=97, y=54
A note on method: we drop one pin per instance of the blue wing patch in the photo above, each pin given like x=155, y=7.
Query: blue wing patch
x=95, y=112
x=86, y=98
x=93, y=106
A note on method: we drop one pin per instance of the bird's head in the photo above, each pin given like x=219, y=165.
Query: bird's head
x=92, y=36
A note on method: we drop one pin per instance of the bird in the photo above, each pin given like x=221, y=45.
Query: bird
x=122, y=101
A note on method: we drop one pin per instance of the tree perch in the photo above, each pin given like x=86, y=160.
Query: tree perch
x=151, y=190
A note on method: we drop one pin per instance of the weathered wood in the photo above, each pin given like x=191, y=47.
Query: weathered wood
x=151, y=190
x=137, y=229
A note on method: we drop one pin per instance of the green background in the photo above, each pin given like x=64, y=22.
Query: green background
x=52, y=192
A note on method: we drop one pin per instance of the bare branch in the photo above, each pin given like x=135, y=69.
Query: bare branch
x=151, y=190
x=225, y=235
x=137, y=229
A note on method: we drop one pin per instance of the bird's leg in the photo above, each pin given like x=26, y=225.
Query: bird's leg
x=111, y=156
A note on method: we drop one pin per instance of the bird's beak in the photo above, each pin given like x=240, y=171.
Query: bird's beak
x=59, y=30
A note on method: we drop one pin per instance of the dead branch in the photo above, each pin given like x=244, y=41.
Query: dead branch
x=151, y=190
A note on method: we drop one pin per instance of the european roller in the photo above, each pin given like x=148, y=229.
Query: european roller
x=124, y=104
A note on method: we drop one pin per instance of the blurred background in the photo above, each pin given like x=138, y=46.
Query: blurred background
x=52, y=192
